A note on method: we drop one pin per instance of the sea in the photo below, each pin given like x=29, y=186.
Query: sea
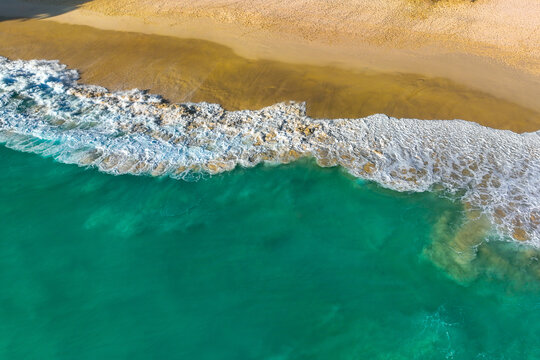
x=132, y=228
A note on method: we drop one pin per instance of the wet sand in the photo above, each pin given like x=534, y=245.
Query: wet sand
x=196, y=70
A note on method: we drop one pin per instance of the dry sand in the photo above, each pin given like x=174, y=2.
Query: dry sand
x=507, y=30
x=490, y=47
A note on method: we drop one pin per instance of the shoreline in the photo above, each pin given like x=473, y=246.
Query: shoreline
x=494, y=171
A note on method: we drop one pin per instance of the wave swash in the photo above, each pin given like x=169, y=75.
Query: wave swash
x=44, y=110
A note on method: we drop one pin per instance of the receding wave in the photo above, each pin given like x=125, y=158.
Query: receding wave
x=44, y=110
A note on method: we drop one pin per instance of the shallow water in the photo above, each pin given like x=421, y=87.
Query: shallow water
x=275, y=262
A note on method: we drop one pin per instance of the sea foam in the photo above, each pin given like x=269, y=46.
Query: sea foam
x=44, y=110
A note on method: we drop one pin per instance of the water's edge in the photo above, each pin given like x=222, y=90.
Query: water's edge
x=496, y=173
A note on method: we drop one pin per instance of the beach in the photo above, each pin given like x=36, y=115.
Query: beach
x=358, y=65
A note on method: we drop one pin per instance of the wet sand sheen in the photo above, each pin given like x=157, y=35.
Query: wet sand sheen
x=195, y=70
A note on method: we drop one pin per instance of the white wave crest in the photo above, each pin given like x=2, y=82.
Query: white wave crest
x=44, y=110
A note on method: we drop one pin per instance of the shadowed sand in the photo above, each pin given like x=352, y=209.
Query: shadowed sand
x=195, y=70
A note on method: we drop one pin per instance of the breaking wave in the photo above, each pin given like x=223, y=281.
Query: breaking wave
x=44, y=110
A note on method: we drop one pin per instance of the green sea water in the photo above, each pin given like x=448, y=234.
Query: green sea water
x=275, y=262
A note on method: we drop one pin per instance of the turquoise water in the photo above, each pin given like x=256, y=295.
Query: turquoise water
x=274, y=262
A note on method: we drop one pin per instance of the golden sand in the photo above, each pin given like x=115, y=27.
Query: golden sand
x=501, y=29
x=195, y=70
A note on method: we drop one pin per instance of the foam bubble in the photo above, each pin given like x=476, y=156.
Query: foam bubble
x=44, y=110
